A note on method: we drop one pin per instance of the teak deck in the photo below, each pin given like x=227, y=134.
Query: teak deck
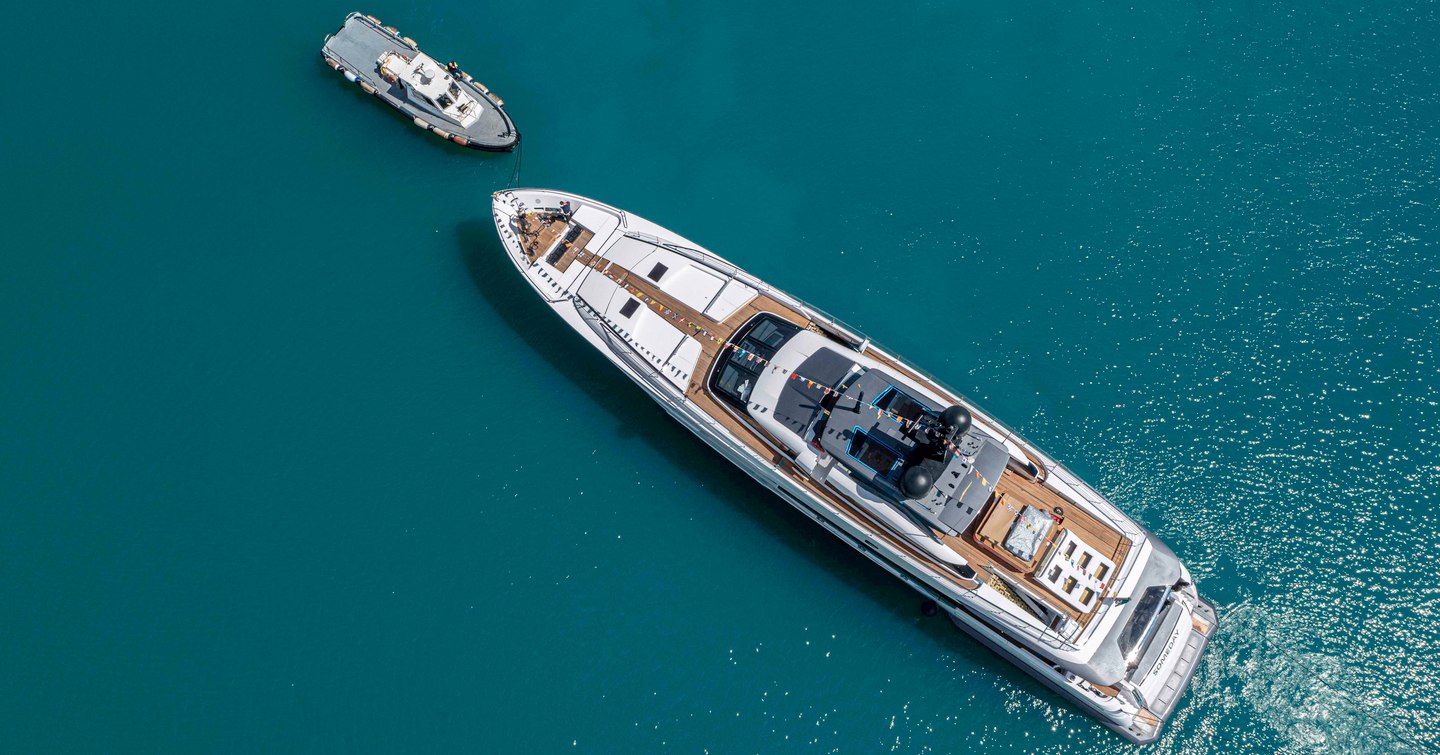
x=981, y=555
x=544, y=232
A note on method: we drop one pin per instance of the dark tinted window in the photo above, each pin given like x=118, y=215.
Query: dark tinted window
x=1147, y=615
x=735, y=375
x=898, y=402
x=770, y=334
x=872, y=453
x=737, y=382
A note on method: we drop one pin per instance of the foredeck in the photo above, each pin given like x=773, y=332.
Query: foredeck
x=540, y=234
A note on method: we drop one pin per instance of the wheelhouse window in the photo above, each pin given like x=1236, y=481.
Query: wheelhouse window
x=735, y=376
x=769, y=333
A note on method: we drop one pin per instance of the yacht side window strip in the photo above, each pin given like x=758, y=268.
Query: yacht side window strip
x=1143, y=622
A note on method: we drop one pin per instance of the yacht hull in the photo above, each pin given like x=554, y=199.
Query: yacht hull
x=975, y=619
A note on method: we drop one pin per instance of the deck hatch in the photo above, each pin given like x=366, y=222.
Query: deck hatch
x=868, y=450
x=657, y=272
x=628, y=308
x=899, y=402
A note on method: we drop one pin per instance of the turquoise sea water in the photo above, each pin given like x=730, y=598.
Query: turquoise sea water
x=290, y=459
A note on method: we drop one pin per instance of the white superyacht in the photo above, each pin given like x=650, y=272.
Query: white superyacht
x=1018, y=551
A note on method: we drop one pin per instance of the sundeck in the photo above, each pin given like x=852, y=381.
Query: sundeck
x=1020, y=552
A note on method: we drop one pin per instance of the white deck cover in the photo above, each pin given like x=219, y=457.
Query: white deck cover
x=649, y=332
x=600, y=223
x=701, y=288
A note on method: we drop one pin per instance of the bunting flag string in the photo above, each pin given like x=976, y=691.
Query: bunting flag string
x=905, y=422
x=1016, y=512
x=880, y=412
x=908, y=424
x=676, y=316
x=1074, y=564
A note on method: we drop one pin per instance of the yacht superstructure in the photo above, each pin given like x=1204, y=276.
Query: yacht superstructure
x=1020, y=553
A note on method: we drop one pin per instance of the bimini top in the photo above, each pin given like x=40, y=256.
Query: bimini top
x=879, y=429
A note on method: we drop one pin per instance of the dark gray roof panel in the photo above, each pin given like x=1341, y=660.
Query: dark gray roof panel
x=799, y=404
x=979, y=481
x=964, y=481
x=855, y=409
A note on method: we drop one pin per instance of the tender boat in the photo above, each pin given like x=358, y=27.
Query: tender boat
x=439, y=98
x=1018, y=551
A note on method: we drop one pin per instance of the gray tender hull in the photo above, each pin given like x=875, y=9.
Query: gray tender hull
x=354, y=50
